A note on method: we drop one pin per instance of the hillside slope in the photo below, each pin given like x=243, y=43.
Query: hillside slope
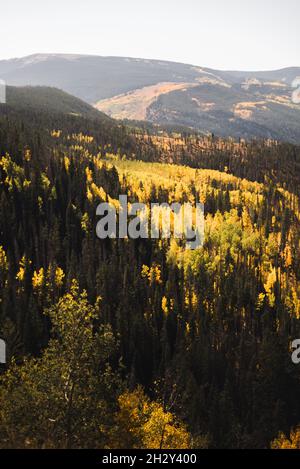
x=50, y=99
x=226, y=103
x=208, y=331
x=92, y=78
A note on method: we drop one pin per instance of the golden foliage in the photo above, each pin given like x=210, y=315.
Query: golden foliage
x=153, y=274
x=142, y=423
x=291, y=442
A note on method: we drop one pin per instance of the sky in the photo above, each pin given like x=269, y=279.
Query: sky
x=220, y=34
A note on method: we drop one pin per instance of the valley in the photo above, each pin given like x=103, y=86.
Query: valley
x=176, y=334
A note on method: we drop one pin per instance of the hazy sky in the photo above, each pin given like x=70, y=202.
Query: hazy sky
x=222, y=34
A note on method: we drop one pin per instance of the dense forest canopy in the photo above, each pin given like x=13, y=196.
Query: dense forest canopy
x=141, y=343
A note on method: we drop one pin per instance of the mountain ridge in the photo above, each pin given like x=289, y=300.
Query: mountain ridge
x=236, y=104
x=50, y=99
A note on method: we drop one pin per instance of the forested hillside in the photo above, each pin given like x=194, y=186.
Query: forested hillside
x=46, y=99
x=140, y=343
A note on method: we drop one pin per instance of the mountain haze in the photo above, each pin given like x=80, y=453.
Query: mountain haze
x=227, y=103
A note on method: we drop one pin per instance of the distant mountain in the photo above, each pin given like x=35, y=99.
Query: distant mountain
x=227, y=103
x=264, y=110
x=50, y=99
x=92, y=78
